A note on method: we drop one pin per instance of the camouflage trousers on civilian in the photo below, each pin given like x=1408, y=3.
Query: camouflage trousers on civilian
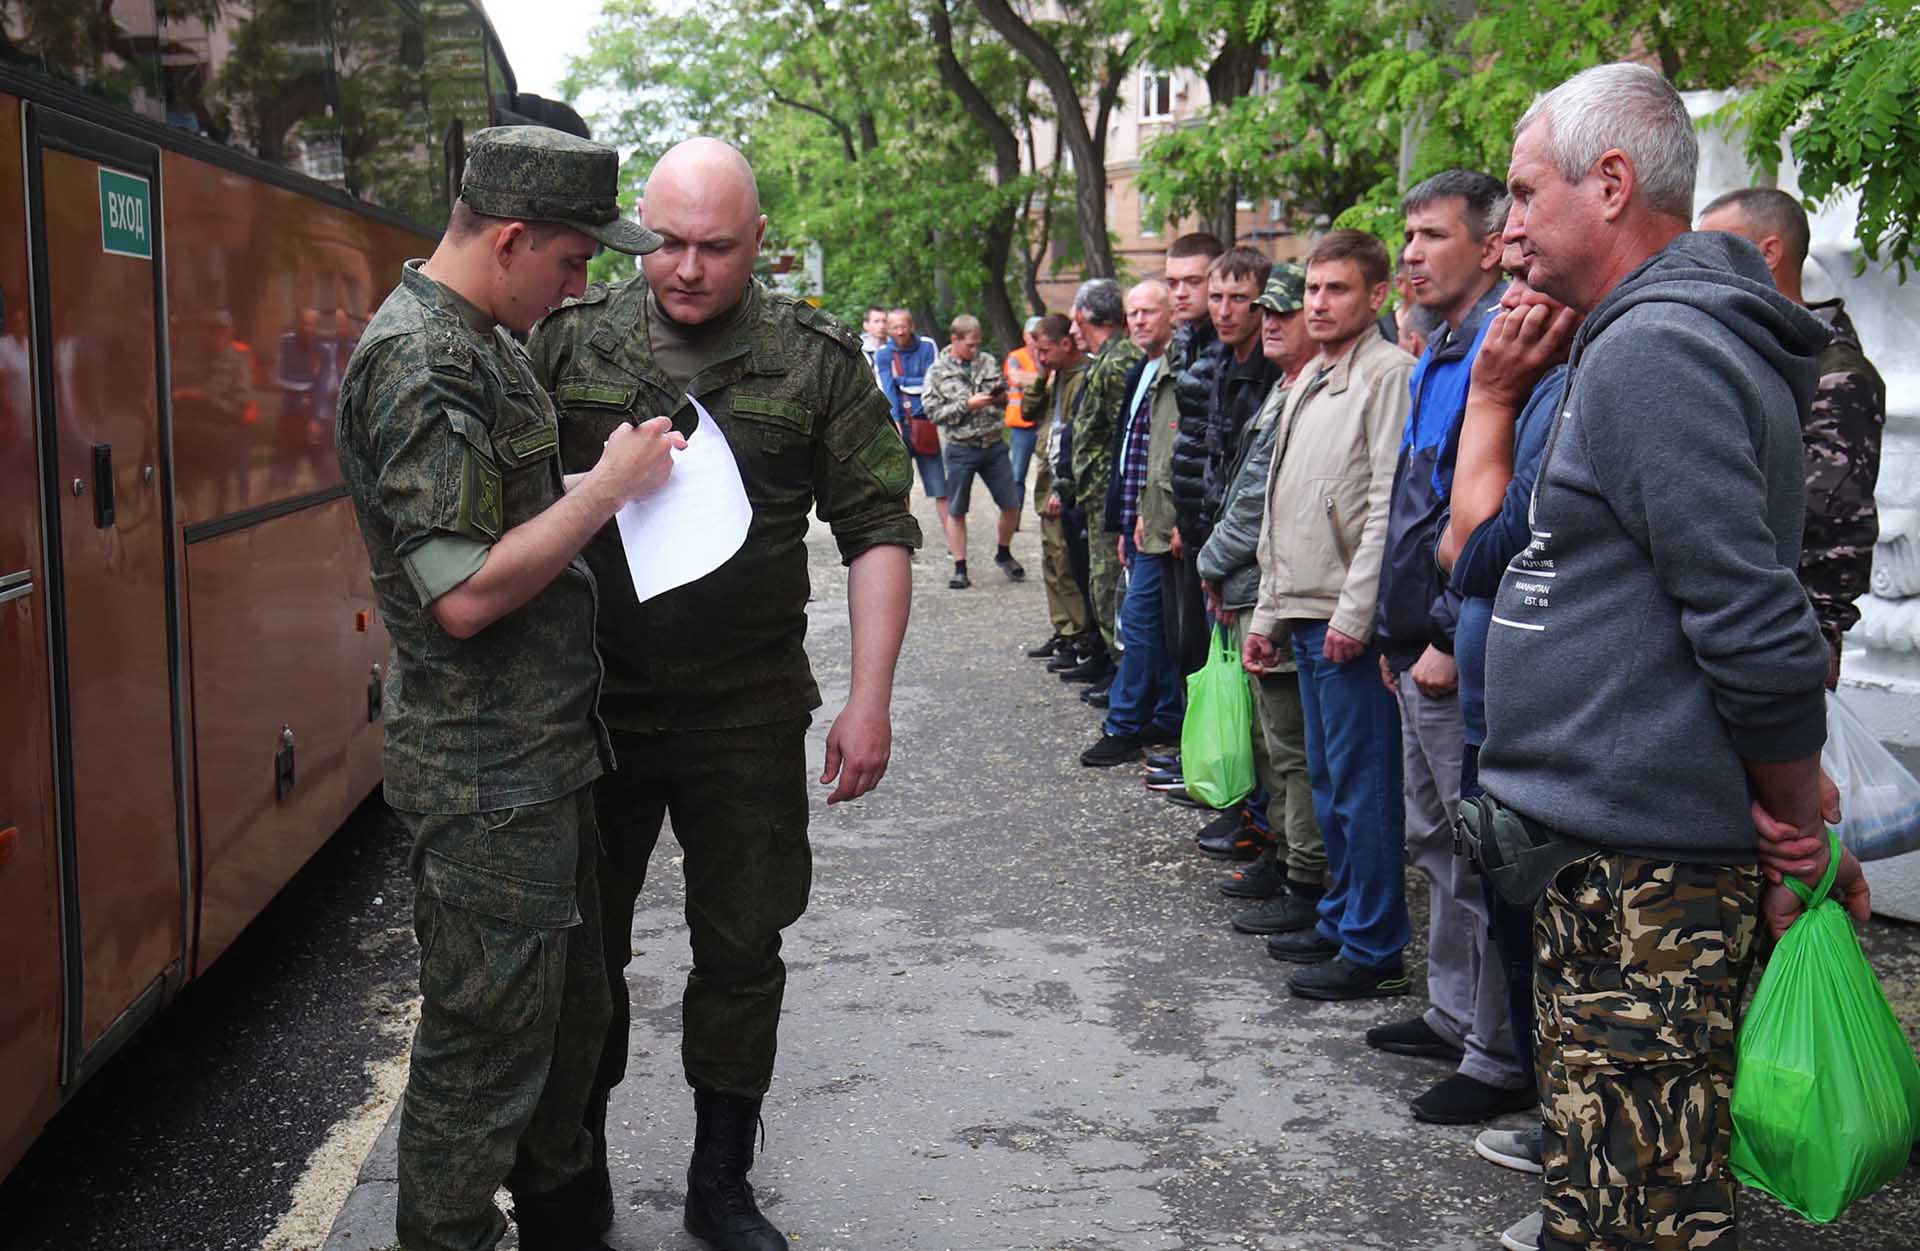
x=513, y=1010
x=1639, y=967
x=1103, y=581
x=1066, y=607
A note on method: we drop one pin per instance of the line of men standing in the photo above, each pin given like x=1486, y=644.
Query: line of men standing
x=1570, y=560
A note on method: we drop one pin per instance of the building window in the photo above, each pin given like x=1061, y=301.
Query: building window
x=1151, y=218
x=1156, y=95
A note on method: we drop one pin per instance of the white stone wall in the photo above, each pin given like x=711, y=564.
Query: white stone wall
x=1881, y=665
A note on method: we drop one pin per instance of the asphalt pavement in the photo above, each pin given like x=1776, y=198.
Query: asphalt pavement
x=1016, y=1017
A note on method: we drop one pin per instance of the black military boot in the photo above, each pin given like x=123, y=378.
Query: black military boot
x=561, y=1220
x=720, y=1206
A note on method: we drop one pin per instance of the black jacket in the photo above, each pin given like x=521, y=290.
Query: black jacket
x=1199, y=353
x=1238, y=391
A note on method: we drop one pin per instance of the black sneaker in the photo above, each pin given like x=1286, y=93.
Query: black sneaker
x=1263, y=879
x=1283, y=913
x=1461, y=1100
x=1163, y=780
x=1180, y=799
x=1092, y=669
x=1011, y=567
x=1069, y=654
x=959, y=581
x=1048, y=649
x=1412, y=1038
x=1243, y=842
x=1168, y=760
x=1340, y=978
x=1102, y=687
x=1302, y=947
x=1097, y=696
x=1112, y=749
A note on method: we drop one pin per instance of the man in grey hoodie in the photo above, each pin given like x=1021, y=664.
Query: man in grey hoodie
x=1654, y=671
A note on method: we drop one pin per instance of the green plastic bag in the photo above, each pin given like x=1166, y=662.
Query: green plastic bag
x=1826, y=1091
x=1216, y=739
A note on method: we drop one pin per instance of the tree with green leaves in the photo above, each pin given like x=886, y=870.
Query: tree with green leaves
x=1842, y=92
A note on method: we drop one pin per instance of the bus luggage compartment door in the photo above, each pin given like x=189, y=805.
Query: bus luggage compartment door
x=95, y=231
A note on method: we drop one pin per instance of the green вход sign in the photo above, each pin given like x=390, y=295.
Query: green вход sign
x=126, y=214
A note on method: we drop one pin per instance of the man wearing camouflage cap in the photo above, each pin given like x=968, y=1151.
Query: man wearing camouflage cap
x=1290, y=877
x=451, y=452
x=709, y=693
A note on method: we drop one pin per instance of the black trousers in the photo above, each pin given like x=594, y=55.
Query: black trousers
x=1074, y=521
x=1183, y=609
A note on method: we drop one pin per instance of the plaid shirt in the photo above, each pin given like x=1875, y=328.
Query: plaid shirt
x=1133, y=457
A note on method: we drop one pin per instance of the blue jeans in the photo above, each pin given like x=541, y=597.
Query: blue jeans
x=1353, y=757
x=1146, y=690
x=1021, y=446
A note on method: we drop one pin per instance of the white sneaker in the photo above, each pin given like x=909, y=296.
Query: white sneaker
x=1517, y=1149
x=1523, y=1234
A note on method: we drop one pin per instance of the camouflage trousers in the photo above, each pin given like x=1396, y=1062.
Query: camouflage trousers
x=1103, y=581
x=1639, y=968
x=737, y=799
x=513, y=1010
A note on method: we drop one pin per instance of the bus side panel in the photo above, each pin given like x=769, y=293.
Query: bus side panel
x=30, y=960
x=276, y=650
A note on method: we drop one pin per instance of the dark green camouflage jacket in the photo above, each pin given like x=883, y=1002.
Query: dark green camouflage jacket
x=446, y=442
x=1094, y=414
x=796, y=400
x=1842, y=435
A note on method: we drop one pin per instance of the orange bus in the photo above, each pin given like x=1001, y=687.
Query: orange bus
x=201, y=204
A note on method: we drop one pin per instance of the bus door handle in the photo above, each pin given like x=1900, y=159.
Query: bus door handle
x=102, y=485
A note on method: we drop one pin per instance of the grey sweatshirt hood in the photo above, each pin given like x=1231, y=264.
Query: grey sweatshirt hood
x=1722, y=275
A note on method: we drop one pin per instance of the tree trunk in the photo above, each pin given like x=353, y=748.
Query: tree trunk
x=997, y=245
x=1230, y=76
x=1089, y=169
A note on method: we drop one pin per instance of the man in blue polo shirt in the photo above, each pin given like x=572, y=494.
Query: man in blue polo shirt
x=1452, y=259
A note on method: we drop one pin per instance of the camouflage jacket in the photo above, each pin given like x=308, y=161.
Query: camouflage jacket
x=447, y=442
x=950, y=384
x=1094, y=414
x=810, y=430
x=1842, y=436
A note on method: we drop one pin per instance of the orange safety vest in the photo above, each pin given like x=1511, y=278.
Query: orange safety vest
x=1023, y=359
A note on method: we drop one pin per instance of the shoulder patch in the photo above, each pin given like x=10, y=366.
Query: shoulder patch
x=825, y=323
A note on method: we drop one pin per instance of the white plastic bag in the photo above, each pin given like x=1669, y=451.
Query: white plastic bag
x=1879, y=799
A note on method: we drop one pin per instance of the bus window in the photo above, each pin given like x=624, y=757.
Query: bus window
x=105, y=50
x=258, y=77
x=386, y=135
x=457, y=99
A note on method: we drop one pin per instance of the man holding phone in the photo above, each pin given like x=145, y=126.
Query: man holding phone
x=966, y=396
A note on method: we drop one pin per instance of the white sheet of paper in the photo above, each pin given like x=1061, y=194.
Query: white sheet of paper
x=693, y=524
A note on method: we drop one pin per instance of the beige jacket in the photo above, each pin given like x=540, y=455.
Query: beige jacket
x=1328, y=490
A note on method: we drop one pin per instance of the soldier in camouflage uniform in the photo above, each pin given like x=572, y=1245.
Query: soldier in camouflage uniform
x=708, y=691
x=1842, y=430
x=966, y=396
x=1099, y=321
x=449, y=448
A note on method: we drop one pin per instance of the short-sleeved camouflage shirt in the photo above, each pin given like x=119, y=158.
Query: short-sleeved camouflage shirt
x=950, y=383
x=794, y=396
x=446, y=443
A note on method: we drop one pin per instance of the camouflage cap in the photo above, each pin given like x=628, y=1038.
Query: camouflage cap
x=1286, y=289
x=536, y=174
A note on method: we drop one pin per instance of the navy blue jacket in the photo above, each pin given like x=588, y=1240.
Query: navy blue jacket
x=1416, y=606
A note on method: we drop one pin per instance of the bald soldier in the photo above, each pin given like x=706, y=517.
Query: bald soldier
x=708, y=693
x=449, y=449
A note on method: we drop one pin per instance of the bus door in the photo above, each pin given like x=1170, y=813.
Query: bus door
x=92, y=201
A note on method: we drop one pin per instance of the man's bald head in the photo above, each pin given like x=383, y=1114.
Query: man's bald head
x=702, y=200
